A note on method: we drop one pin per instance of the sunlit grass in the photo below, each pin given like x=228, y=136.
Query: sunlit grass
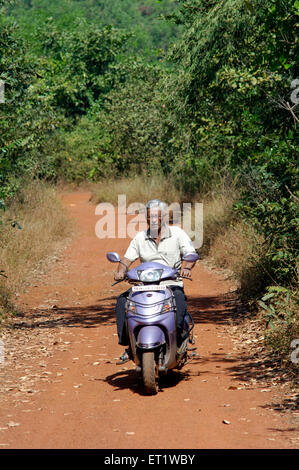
x=42, y=225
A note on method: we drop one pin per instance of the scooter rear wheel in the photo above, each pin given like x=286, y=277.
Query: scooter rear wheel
x=149, y=376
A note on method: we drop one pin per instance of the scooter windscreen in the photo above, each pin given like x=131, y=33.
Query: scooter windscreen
x=151, y=272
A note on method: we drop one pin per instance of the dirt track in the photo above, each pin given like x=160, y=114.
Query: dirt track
x=61, y=386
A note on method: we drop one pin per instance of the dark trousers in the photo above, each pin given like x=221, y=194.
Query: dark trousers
x=181, y=308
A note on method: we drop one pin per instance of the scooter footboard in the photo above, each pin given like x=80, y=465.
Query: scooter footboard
x=150, y=337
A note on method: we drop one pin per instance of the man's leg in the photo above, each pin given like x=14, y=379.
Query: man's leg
x=181, y=308
x=121, y=317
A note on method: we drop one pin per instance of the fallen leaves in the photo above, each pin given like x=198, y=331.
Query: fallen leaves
x=12, y=424
x=77, y=386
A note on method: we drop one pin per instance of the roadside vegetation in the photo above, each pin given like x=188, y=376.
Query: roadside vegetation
x=32, y=228
x=182, y=100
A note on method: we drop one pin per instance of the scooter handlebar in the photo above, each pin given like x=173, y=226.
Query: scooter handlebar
x=131, y=281
x=117, y=282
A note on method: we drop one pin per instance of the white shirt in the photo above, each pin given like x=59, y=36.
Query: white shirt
x=174, y=243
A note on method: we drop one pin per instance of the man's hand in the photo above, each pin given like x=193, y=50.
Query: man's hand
x=122, y=269
x=186, y=272
x=119, y=276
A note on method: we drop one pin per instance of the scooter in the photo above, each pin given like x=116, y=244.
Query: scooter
x=151, y=322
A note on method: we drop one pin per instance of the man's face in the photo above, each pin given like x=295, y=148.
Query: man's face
x=154, y=220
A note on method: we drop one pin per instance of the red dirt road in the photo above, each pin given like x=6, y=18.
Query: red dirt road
x=62, y=389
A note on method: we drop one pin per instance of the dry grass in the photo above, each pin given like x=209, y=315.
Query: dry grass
x=218, y=215
x=139, y=188
x=227, y=241
x=240, y=250
x=44, y=224
x=231, y=243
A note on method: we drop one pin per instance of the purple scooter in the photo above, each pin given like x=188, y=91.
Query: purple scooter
x=150, y=321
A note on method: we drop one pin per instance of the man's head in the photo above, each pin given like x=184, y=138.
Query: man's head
x=155, y=215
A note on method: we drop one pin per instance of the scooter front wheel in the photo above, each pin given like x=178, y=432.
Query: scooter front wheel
x=149, y=372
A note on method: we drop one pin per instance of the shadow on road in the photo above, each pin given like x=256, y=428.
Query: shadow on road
x=220, y=309
x=130, y=379
x=215, y=309
x=89, y=316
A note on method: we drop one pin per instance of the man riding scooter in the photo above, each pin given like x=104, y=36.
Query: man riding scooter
x=163, y=244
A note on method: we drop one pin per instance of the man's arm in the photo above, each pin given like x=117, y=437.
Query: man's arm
x=186, y=246
x=123, y=267
x=186, y=269
x=130, y=256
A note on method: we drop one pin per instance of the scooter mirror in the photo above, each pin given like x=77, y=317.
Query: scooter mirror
x=190, y=257
x=113, y=257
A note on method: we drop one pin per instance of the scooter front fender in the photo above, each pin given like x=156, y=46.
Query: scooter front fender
x=150, y=337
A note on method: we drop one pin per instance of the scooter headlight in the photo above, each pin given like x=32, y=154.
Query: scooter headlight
x=150, y=275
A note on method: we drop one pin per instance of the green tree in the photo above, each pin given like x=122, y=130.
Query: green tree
x=235, y=65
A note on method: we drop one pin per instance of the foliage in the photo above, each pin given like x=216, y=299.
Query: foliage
x=133, y=119
x=236, y=62
x=58, y=65
x=231, y=94
x=45, y=94
x=81, y=65
x=280, y=306
x=84, y=153
x=151, y=36
x=27, y=115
